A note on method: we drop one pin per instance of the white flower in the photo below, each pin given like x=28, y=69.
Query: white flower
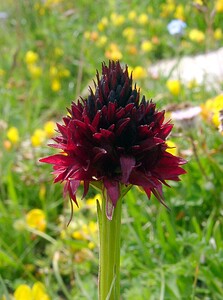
x=186, y=118
x=3, y=15
x=188, y=113
x=176, y=27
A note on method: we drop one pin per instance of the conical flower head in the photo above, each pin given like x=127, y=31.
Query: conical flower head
x=114, y=138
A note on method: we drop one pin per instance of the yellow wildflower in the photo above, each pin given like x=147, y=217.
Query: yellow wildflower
x=87, y=35
x=2, y=72
x=143, y=19
x=63, y=234
x=37, y=6
x=39, y=292
x=42, y=11
x=192, y=84
x=51, y=3
x=132, y=15
x=86, y=232
x=24, y=292
x=31, y=57
x=78, y=235
x=90, y=229
x=117, y=19
x=80, y=206
x=94, y=36
x=58, y=52
x=198, y=2
x=35, y=71
x=91, y=202
x=129, y=33
x=64, y=72
x=211, y=108
x=49, y=128
x=91, y=245
x=215, y=118
x=167, y=8
x=206, y=109
x=179, y=13
x=218, y=34
x=146, y=46
x=36, y=219
x=38, y=137
x=42, y=192
x=113, y=52
x=150, y=10
x=138, y=72
x=174, y=86
x=55, y=85
x=219, y=5
x=53, y=71
x=217, y=106
x=196, y=35
x=102, y=24
x=114, y=55
x=171, y=147
x=13, y=135
x=102, y=41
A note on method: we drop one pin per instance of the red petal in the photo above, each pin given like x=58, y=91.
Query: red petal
x=79, y=124
x=127, y=164
x=129, y=107
x=144, y=131
x=139, y=178
x=113, y=191
x=148, y=144
x=104, y=134
x=58, y=159
x=159, y=195
x=147, y=190
x=165, y=130
x=168, y=167
x=122, y=125
x=71, y=186
x=111, y=111
x=86, y=188
x=98, y=153
x=120, y=113
x=76, y=111
x=62, y=129
x=96, y=120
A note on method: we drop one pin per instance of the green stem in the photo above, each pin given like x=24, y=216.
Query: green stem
x=109, y=265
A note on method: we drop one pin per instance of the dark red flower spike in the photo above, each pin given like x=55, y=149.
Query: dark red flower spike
x=114, y=138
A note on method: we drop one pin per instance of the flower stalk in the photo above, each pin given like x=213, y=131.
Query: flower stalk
x=109, y=257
